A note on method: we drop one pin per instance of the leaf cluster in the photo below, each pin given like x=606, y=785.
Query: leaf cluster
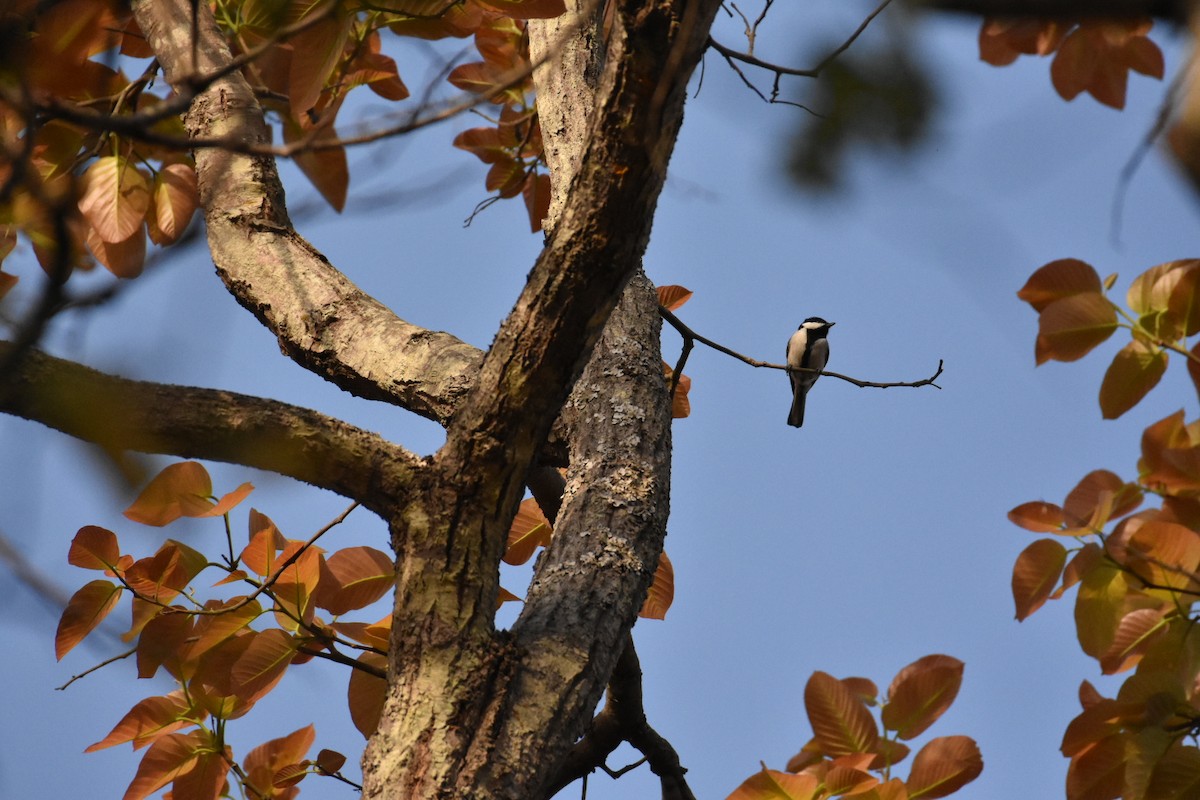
x=1136, y=571
x=849, y=756
x=227, y=653
x=1090, y=55
x=95, y=163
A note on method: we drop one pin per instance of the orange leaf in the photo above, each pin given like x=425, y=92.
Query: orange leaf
x=536, y=192
x=278, y=754
x=94, y=548
x=1164, y=298
x=356, y=577
x=1035, y=574
x=263, y=662
x=840, y=721
x=529, y=531
x=86, y=609
x=920, y=693
x=1001, y=41
x=1038, y=516
x=484, y=143
x=774, y=785
x=1135, y=370
x=1164, y=553
x=125, y=259
x=265, y=543
x=1100, y=496
x=213, y=629
x=173, y=202
x=944, y=766
x=207, y=778
x=326, y=167
x=148, y=720
x=165, y=574
x=1098, y=771
x=114, y=198
x=229, y=501
x=168, y=758
x=366, y=694
x=163, y=640
x=315, y=53
x=1096, y=57
x=1136, y=631
x=662, y=591
x=1058, y=279
x=1171, y=456
x=673, y=296
x=681, y=406
x=180, y=490
x=1070, y=328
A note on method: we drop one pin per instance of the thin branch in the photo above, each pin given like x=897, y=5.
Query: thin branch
x=121, y=414
x=104, y=663
x=623, y=719
x=688, y=335
x=779, y=70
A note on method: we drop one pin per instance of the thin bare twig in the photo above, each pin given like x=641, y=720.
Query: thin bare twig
x=104, y=663
x=780, y=70
x=689, y=336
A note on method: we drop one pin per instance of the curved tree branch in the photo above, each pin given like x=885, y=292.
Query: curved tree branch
x=121, y=414
x=322, y=320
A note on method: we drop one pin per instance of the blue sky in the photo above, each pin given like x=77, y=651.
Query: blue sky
x=874, y=535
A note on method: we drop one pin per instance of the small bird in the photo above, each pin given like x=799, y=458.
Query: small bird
x=807, y=348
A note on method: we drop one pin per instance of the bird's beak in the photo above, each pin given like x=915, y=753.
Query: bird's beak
x=832, y=324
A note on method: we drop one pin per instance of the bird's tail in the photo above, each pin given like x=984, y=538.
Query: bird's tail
x=796, y=416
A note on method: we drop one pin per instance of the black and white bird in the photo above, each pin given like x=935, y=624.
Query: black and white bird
x=808, y=348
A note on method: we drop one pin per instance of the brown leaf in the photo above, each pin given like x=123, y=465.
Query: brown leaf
x=278, y=754
x=1035, y=574
x=944, y=766
x=536, y=193
x=1135, y=370
x=366, y=694
x=86, y=609
x=1070, y=328
x=920, y=693
x=146, y=721
x=1136, y=631
x=841, y=723
x=263, y=663
x=206, y=779
x=167, y=759
x=1038, y=516
x=1099, y=771
x=356, y=577
x=180, y=490
x=325, y=167
x=662, y=591
x=529, y=531
x=94, y=548
x=114, y=198
x=673, y=296
x=125, y=259
x=1097, y=56
x=774, y=785
x=1058, y=279
x=173, y=202
x=1100, y=496
x=1001, y=41
x=260, y=555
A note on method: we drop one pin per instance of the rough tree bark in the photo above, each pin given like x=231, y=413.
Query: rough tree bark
x=472, y=712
